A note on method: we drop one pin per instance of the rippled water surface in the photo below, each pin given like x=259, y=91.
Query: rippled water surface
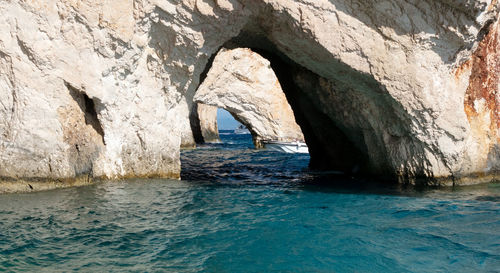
x=241, y=210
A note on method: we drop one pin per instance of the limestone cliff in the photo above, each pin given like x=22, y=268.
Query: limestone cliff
x=243, y=83
x=408, y=89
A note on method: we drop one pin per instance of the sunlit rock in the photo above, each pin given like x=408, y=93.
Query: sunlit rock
x=243, y=83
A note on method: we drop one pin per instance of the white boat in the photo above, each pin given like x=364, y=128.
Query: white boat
x=296, y=147
x=241, y=130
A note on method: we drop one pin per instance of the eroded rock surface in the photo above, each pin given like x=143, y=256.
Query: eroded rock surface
x=407, y=86
x=204, y=123
x=243, y=83
x=60, y=59
x=482, y=98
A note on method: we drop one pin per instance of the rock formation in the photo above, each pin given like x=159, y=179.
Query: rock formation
x=243, y=83
x=407, y=89
x=204, y=123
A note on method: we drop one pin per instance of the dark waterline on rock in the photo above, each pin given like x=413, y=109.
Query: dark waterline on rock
x=242, y=210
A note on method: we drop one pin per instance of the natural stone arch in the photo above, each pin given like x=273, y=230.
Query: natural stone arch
x=330, y=147
x=369, y=88
x=243, y=83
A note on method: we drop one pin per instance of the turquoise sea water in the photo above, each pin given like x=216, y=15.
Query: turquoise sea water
x=241, y=210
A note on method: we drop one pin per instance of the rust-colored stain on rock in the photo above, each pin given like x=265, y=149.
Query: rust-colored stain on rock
x=492, y=5
x=484, y=79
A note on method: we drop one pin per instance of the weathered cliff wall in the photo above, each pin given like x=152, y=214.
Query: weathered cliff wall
x=482, y=99
x=243, y=83
x=104, y=88
x=59, y=60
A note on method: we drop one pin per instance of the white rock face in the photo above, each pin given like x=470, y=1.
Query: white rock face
x=400, y=83
x=55, y=51
x=243, y=83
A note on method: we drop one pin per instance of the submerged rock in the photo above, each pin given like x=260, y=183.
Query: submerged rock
x=391, y=88
x=243, y=83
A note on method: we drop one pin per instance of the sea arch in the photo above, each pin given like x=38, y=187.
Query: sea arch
x=243, y=83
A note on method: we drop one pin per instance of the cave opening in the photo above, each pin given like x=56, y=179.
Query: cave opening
x=83, y=131
x=88, y=108
x=318, y=129
x=210, y=122
x=339, y=153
